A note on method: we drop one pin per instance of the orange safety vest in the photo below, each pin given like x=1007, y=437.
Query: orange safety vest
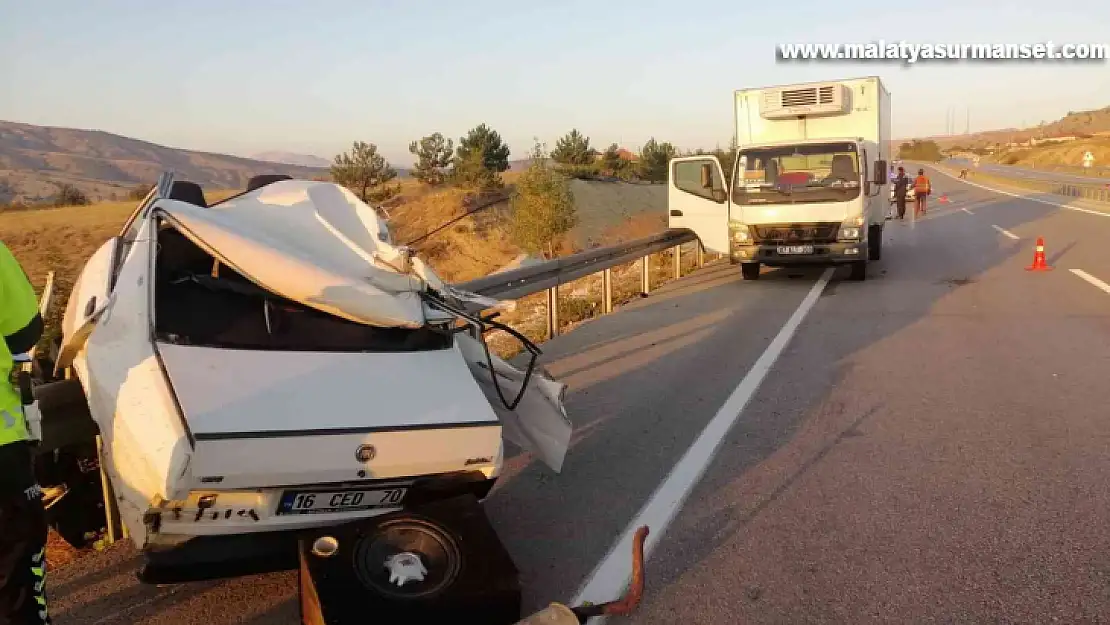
x=921, y=185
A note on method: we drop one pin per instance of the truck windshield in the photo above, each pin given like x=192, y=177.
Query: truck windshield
x=796, y=174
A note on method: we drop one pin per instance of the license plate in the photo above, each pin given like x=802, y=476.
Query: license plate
x=795, y=249
x=315, y=502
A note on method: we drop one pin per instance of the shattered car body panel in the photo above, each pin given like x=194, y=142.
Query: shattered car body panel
x=243, y=358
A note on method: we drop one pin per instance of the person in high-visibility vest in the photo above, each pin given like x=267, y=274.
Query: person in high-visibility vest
x=921, y=189
x=22, y=518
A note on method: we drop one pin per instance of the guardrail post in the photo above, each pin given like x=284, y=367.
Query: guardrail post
x=553, y=312
x=645, y=275
x=607, y=291
x=677, y=262
x=699, y=254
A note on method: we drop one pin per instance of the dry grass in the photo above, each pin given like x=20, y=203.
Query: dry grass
x=1068, y=154
x=474, y=246
x=62, y=239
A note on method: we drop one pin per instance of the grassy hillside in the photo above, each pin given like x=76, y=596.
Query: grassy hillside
x=1074, y=123
x=1068, y=154
x=101, y=163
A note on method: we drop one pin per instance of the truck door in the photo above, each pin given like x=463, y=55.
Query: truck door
x=697, y=198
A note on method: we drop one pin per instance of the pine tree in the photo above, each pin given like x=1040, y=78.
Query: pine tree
x=433, y=156
x=363, y=170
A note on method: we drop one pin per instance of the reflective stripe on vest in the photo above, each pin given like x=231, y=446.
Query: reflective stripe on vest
x=13, y=426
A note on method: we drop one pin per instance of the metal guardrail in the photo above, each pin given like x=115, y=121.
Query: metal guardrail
x=518, y=283
x=1090, y=172
x=1091, y=192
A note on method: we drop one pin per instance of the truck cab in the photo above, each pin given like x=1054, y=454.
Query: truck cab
x=798, y=193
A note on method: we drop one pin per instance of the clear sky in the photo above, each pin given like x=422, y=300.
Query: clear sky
x=243, y=76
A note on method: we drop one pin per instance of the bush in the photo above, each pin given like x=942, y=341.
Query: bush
x=470, y=173
x=69, y=195
x=654, y=158
x=589, y=171
x=139, y=191
x=918, y=150
x=542, y=207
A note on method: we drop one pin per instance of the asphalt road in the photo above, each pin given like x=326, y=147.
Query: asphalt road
x=1025, y=173
x=930, y=446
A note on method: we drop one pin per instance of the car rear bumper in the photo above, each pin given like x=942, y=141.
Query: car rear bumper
x=823, y=254
x=236, y=514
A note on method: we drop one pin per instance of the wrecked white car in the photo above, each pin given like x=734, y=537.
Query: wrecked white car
x=273, y=362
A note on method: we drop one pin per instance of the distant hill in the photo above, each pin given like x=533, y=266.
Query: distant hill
x=289, y=158
x=34, y=159
x=1075, y=123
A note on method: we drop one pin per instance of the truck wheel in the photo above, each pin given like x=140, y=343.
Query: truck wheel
x=859, y=271
x=750, y=271
x=875, y=243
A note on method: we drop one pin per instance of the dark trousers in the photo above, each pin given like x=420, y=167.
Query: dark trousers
x=22, y=543
x=901, y=201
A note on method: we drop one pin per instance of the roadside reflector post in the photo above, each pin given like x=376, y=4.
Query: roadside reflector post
x=645, y=275
x=607, y=291
x=553, y=312
x=677, y=262
x=699, y=254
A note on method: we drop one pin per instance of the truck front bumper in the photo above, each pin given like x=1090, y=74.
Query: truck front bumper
x=821, y=254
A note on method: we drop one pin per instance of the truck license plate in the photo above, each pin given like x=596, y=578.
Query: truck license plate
x=315, y=502
x=795, y=249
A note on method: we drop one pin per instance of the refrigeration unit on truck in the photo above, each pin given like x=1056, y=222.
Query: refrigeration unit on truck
x=808, y=183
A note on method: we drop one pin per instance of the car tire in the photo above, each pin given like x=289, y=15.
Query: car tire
x=749, y=271
x=875, y=243
x=858, y=271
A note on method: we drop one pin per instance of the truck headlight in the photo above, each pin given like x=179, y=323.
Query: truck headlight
x=850, y=230
x=739, y=233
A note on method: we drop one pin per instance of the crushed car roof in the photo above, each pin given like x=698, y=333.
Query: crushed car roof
x=311, y=242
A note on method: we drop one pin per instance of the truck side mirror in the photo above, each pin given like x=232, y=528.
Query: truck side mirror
x=880, y=176
x=707, y=176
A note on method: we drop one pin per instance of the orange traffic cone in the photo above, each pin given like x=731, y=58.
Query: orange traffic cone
x=943, y=199
x=1039, y=262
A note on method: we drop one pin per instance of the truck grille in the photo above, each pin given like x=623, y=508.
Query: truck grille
x=796, y=233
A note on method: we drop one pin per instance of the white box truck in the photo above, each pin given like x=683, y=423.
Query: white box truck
x=808, y=184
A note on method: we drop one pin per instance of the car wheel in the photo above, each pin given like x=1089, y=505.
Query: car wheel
x=750, y=271
x=875, y=243
x=859, y=271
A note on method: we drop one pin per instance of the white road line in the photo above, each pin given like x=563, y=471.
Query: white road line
x=1031, y=199
x=967, y=211
x=1099, y=284
x=1006, y=232
x=611, y=576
